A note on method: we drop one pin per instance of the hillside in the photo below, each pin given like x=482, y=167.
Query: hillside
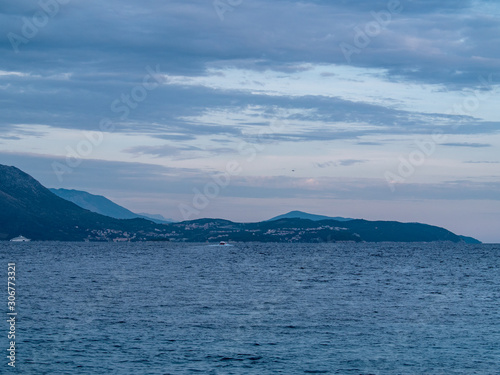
x=308, y=231
x=30, y=209
x=305, y=215
x=102, y=205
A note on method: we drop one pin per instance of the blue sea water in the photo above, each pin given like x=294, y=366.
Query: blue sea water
x=165, y=308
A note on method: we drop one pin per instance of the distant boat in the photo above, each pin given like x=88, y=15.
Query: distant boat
x=222, y=243
x=20, y=239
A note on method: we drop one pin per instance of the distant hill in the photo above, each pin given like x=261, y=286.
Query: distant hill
x=31, y=210
x=156, y=217
x=305, y=215
x=27, y=208
x=308, y=231
x=470, y=240
x=103, y=206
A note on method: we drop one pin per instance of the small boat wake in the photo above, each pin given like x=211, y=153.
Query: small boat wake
x=222, y=243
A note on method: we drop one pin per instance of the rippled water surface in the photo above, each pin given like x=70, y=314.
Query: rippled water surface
x=148, y=308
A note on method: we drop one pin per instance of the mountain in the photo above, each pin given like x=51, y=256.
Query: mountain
x=27, y=208
x=157, y=218
x=102, y=205
x=470, y=240
x=308, y=231
x=30, y=209
x=305, y=215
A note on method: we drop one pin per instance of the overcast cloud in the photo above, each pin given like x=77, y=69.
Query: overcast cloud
x=376, y=101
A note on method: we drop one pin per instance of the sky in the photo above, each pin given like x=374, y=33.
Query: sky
x=247, y=109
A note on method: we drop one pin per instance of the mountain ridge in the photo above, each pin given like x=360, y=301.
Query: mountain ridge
x=102, y=205
x=305, y=215
x=30, y=209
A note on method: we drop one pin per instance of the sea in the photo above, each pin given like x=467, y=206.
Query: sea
x=252, y=308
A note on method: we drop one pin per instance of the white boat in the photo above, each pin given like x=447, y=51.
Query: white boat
x=20, y=239
x=222, y=243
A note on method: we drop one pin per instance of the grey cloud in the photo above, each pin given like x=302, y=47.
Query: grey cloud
x=340, y=163
x=481, y=162
x=466, y=144
x=420, y=44
x=360, y=188
x=94, y=175
x=370, y=143
x=187, y=37
x=142, y=179
x=159, y=151
x=66, y=103
x=178, y=152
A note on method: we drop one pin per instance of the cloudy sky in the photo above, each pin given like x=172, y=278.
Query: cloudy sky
x=246, y=109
